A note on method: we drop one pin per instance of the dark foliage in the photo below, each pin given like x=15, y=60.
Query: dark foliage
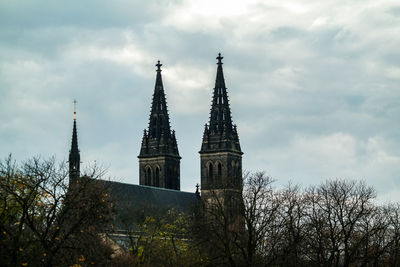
x=46, y=222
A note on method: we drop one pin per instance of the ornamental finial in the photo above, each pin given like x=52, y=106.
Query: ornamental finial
x=75, y=109
x=158, y=65
x=219, y=59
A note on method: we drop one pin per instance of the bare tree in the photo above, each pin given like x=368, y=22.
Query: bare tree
x=238, y=237
x=261, y=206
x=392, y=235
x=45, y=222
x=216, y=231
x=341, y=218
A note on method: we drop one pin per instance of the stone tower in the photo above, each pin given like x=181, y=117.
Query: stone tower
x=74, y=155
x=159, y=160
x=220, y=154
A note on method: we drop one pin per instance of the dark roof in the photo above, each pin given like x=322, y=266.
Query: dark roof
x=135, y=202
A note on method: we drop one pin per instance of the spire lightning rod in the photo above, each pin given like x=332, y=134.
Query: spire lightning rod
x=75, y=109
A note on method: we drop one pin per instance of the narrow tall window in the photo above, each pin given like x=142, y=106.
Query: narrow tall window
x=237, y=173
x=148, y=176
x=219, y=172
x=210, y=174
x=157, y=180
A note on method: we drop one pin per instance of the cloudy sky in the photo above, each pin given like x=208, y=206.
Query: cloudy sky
x=314, y=86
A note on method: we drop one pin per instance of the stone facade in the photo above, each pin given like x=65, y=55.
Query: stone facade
x=162, y=171
x=220, y=154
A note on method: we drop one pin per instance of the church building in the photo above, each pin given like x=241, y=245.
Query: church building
x=159, y=160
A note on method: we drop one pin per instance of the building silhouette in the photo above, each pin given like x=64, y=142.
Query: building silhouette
x=220, y=154
x=159, y=161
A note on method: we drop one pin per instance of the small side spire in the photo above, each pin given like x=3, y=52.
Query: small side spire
x=74, y=155
x=197, y=191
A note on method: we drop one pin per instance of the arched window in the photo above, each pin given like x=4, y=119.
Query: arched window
x=157, y=178
x=219, y=173
x=232, y=206
x=148, y=176
x=237, y=173
x=210, y=174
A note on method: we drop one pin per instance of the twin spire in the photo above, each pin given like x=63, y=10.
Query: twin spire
x=158, y=139
x=159, y=160
x=220, y=134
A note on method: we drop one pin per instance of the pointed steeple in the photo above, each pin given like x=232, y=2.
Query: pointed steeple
x=158, y=142
x=159, y=138
x=221, y=156
x=159, y=118
x=220, y=133
x=220, y=116
x=74, y=155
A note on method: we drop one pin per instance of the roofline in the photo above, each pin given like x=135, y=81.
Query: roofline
x=151, y=187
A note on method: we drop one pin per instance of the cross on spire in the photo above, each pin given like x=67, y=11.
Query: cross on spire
x=75, y=108
x=158, y=65
x=220, y=59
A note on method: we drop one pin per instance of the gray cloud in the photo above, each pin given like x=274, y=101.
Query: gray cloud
x=314, y=87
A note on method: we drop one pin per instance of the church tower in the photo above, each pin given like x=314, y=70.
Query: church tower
x=159, y=160
x=220, y=154
x=74, y=155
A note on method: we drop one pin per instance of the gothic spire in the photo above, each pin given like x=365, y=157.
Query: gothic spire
x=74, y=155
x=220, y=132
x=159, y=138
x=220, y=115
x=159, y=118
x=159, y=160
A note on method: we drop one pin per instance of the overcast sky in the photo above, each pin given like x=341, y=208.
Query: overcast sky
x=314, y=86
